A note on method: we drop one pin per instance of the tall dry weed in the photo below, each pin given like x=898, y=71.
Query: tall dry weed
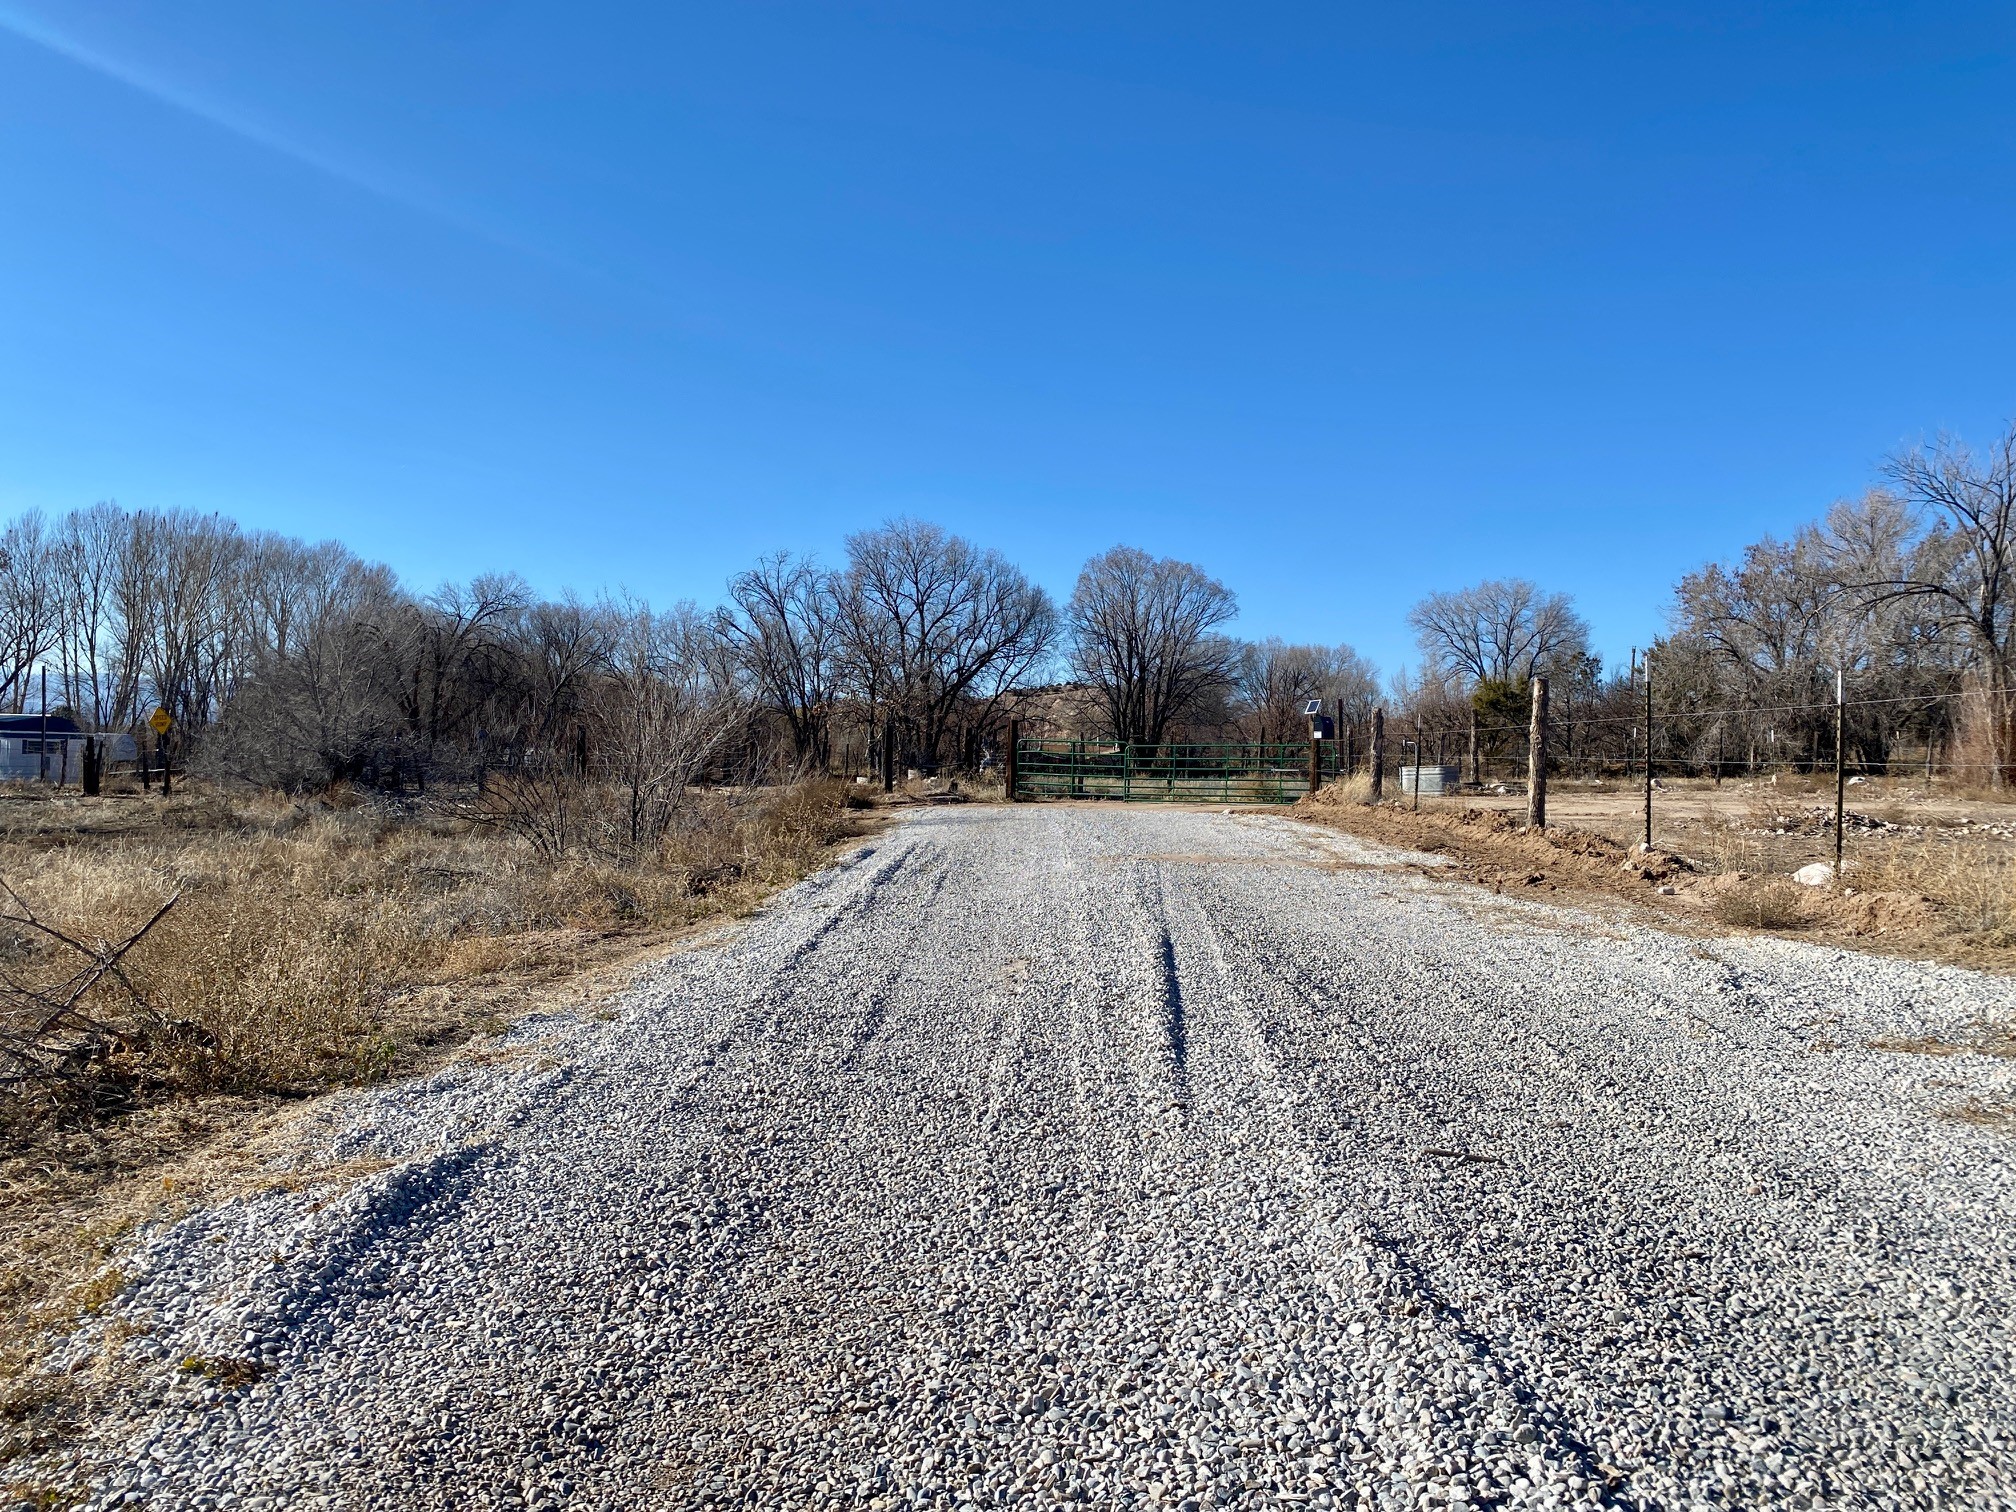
x=1973, y=887
x=301, y=931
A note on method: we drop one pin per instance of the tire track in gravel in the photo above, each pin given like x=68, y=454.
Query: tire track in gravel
x=1502, y=1407
x=1647, y=1297
x=1034, y=1158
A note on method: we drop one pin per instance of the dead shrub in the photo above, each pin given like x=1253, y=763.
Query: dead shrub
x=1972, y=887
x=1763, y=903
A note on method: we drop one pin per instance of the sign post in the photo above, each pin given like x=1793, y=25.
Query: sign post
x=161, y=723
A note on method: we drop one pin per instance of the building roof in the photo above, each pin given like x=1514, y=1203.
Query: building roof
x=15, y=725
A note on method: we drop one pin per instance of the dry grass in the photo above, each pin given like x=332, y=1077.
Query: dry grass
x=1774, y=903
x=289, y=962
x=1929, y=890
x=1972, y=887
x=1357, y=788
x=314, y=945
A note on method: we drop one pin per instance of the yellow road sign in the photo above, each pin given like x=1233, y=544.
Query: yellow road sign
x=161, y=722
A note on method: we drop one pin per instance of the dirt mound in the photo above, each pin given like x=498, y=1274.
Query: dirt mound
x=1877, y=913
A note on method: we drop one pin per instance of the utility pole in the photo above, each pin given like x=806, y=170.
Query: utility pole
x=889, y=754
x=1014, y=741
x=1536, y=759
x=1840, y=766
x=44, y=741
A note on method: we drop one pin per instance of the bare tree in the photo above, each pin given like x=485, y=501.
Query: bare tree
x=930, y=620
x=318, y=706
x=1964, y=568
x=447, y=656
x=29, y=615
x=1277, y=680
x=785, y=625
x=1144, y=634
x=1505, y=630
x=661, y=712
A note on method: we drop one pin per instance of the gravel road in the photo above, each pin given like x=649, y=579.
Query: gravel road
x=1072, y=1156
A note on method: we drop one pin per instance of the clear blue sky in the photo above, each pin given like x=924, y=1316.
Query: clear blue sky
x=1345, y=303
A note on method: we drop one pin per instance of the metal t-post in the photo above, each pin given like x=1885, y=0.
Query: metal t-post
x=1840, y=765
x=1417, y=761
x=1648, y=748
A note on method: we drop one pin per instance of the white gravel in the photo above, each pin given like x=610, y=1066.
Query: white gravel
x=1070, y=1156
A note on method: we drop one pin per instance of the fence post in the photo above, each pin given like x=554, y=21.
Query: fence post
x=1315, y=763
x=1840, y=767
x=43, y=743
x=1014, y=759
x=1378, y=754
x=1536, y=759
x=1418, y=755
x=1476, y=756
x=167, y=776
x=889, y=754
x=1648, y=748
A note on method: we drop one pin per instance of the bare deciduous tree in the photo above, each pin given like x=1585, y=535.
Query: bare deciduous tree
x=661, y=712
x=1505, y=630
x=931, y=621
x=1277, y=680
x=1145, y=635
x=28, y=606
x=1964, y=568
x=785, y=625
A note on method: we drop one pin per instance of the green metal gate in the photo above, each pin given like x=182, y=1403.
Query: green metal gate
x=1222, y=772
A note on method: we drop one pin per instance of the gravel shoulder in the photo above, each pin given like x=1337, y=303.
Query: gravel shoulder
x=1087, y=1156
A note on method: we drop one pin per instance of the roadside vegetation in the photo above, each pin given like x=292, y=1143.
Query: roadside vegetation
x=308, y=943
x=1933, y=878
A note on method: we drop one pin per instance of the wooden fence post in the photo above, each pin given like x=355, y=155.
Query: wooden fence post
x=889, y=754
x=1378, y=754
x=1014, y=740
x=1536, y=759
x=1315, y=763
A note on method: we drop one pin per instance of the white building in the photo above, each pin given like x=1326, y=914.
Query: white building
x=22, y=740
